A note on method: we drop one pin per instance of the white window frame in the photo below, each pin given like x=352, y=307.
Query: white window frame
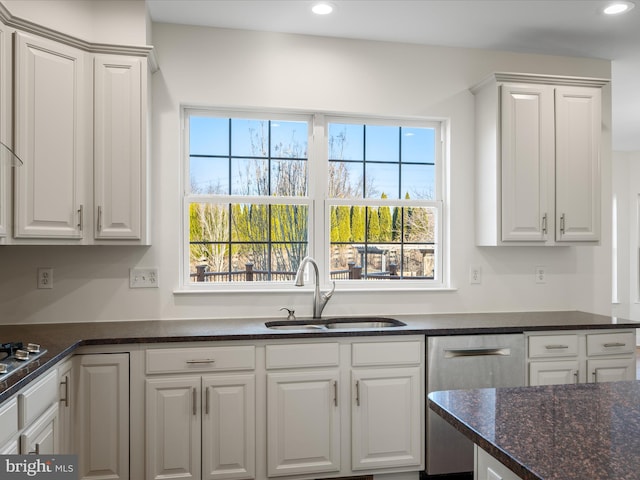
x=318, y=204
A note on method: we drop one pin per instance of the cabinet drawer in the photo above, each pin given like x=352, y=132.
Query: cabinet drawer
x=8, y=420
x=610, y=343
x=34, y=400
x=208, y=359
x=386, y=353
x=303, y=355
x=553, y=346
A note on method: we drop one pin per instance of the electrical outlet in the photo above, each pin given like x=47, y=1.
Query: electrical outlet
x=475, y=275
x=541, y=275
x=143, y=278
x=45, y=277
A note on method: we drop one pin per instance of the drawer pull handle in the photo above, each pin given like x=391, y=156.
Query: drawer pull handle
x=335, y=393
x=556, y=347
x=207, y=400
x=575, y=374
x=358, y=393
x=614, y=344
x=65, y=382
x=195, y=401
x=201, y=361
x=476, y=352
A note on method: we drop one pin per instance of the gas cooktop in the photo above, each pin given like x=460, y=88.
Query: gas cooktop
x=16, y=356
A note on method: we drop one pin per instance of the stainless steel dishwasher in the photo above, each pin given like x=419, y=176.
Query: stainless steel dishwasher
x=464, y=362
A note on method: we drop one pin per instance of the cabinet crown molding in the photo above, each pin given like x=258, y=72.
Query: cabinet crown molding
x=536, y=78
x=30, y=27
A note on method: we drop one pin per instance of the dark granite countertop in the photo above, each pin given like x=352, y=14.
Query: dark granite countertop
x=560, y=432
x=61, y=339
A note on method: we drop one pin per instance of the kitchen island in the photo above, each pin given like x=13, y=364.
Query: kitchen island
x=559, y=432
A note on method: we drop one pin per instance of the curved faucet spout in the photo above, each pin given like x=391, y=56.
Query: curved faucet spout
x=319, y=299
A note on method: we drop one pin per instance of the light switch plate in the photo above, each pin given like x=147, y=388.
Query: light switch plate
x=143, y=277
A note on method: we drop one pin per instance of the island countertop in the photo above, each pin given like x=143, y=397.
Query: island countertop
x=561, y=432
x=61, y=339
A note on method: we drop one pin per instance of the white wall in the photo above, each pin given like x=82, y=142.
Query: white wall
x=626, y=195
x=98, y=21
x=215, y=67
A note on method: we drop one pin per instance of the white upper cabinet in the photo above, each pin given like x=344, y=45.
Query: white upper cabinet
x=578, y=126
x=119, y=146
x=51, y=137
x=5, y=119
x=538, y=160
x=527, y=155
x=79, y=122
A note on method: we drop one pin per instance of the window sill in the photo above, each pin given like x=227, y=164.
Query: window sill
x=306, y=291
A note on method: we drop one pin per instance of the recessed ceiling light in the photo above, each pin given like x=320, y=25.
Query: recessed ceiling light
x=617, y=8
x=322, y=8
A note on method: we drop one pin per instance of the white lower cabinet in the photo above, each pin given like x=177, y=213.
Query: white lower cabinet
x=303, y=422
x=385, y=427
x=582, y=356
x=315, y=389
x=41, y=438
x=9, y=444
x=488, y=468
x=200, y=426
x=101, y=412
x=38, y=416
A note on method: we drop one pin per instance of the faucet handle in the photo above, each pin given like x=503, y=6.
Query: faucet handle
x=290, y=313
x=328, y=295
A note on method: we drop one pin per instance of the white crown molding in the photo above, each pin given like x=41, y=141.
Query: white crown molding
x=542, y=79
x=103, y=48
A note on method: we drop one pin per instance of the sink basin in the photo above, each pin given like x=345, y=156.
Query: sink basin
x=364, y=322
x=335, y=323
x=294, y=325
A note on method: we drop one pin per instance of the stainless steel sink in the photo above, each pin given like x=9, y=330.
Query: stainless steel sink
x=335, y=323
x=364, y=322
x=294, y=325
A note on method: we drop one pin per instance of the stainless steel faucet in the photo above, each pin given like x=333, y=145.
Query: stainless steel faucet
x=319, y=299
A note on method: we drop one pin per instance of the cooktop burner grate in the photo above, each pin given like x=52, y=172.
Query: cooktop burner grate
x=16, y=356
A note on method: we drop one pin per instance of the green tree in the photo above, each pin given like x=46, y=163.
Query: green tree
x=373, y=226
x=357, y=224
x=385, y=222
x=335, y=229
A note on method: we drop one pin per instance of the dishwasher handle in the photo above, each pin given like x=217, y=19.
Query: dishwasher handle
x=476, y=352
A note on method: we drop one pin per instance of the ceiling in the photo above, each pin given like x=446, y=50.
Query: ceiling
x=555, y=27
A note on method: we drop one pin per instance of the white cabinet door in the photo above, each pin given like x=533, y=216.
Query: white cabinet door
x=41, y=437
x=51, y=124
x=228, y=427
x=578, y=127
x=386, y=418
x=554, y=373
x=103, y=406
x=527, y=161
x=611, y=369
x=303, y=423
x=119, y=146
x=173, y=431
x=488, y=468
x=5, y=121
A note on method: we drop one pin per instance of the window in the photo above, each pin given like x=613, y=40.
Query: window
x=363, y=197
